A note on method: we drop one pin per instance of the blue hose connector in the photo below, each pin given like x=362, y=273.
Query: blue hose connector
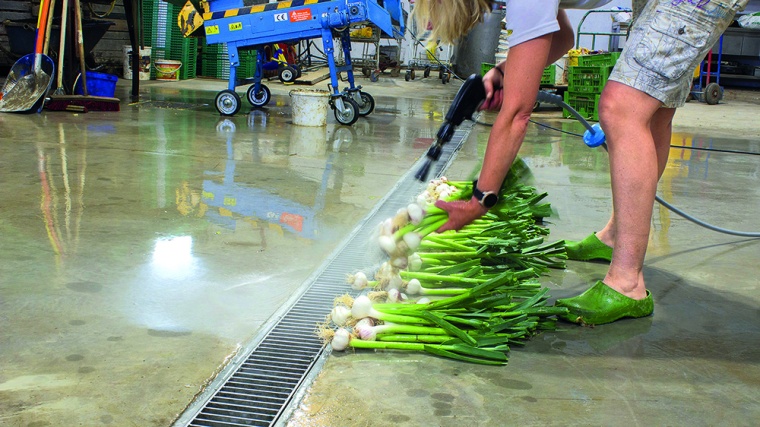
x=595, y=138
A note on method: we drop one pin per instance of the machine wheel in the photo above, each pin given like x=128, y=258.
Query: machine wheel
x=350, y=116
x=288, y=74
x=440, y=74
x=713, y=94
x=298, y=71
x=426, y=73
x=227, y=102
x=374, y=76
x=396, y=71
x=366, y=71
x=408, y=75
x=258, y=99
x=412, y=73
x=367, y=105
x=446, y=78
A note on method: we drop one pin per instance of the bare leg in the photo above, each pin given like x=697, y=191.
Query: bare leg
x=661, y=129
x=634, y=170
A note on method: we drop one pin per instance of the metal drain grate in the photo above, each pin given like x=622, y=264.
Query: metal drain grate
x=256, y=387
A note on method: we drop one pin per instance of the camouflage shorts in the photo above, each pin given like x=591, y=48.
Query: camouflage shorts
x=668, y=41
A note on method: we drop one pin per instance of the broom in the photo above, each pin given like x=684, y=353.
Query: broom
x=81, y=103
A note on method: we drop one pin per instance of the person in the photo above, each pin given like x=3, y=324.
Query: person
x=650, y=80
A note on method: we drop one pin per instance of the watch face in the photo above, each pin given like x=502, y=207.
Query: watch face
x=490, y=200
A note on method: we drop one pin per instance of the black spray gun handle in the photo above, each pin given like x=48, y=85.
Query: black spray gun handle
x=467, y=100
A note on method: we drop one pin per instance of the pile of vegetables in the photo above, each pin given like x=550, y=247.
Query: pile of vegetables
x=466, y=295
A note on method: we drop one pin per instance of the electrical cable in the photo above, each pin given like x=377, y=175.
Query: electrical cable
x=657, y=198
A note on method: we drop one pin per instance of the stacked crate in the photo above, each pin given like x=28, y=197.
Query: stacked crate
x=167, y=42
x=586, y=81
x=547, y=78
x=215, y=62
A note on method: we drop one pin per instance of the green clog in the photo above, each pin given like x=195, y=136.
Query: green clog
x=588, y=249
x=601, y=304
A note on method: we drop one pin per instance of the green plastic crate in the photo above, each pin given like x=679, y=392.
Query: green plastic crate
x=599, y=60
x=548, y=76
x=485, y=67
x=168, y=42
x=587, y=107
x=587, y=79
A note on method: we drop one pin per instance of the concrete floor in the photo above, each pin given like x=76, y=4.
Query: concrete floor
x=142, y=248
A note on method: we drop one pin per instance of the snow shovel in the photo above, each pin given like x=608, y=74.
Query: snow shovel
x=31, y=76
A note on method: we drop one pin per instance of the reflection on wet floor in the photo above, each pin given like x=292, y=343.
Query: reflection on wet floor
x=141, y=249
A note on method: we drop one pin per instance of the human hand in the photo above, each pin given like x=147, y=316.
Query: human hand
x=460, y=213
x=493, y=82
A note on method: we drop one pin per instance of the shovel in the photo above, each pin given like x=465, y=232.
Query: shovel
x=31, y=76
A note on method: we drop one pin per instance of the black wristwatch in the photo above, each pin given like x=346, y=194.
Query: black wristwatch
x=488, y=198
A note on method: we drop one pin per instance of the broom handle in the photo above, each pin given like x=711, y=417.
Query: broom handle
x=41, y=18
x=62, y=45
x=48, y=26
x=80, y=45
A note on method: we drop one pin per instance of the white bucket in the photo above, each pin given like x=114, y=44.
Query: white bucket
x=167, y=69
x=144, y=62
x=309, y=106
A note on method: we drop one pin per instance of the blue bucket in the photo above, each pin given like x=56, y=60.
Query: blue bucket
x=98, y=84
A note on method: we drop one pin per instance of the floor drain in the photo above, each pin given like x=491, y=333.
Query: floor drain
x=256, y=388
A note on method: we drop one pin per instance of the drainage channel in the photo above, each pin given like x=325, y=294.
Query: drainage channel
x=268, y=375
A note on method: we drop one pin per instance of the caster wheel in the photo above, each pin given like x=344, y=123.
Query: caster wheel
x=375, y=76
x=349, y=116
x=259, y=99
x=426, y=73
x=713, y=94
x=367, y=105
x=227, y=102
x=408, y=75
x=288, y=74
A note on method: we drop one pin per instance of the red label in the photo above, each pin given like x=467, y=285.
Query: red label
x=293, y=220
x=300, y=15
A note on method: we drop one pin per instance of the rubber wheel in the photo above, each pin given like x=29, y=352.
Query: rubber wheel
x=713, y=94
x=350, y=116
x=366, y=71
x=396, y=72
x=288, y=74
x=227, y=102
x=408, y=75
x=374, y=76
x=412, y=73
x=367, y=105
x=258, y=99
x=298, y=71
x=446, y=78
x=426, y=73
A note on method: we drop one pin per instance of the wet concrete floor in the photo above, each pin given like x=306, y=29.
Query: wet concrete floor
x=141, y=249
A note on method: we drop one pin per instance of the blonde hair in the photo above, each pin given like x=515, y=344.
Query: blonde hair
x=450, y=19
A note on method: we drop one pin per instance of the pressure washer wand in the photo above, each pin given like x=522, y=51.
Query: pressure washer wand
x=467, y=100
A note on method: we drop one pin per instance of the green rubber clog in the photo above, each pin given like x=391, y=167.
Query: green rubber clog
x=601, y=304
x=588, y=249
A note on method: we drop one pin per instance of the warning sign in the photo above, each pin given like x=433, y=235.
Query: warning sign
x=300, y=15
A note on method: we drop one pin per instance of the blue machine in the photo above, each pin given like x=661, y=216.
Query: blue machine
x=227, y=21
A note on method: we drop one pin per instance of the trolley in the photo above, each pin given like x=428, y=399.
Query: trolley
x=228, y=21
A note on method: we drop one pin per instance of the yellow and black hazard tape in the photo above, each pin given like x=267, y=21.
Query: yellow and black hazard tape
x=260, y=8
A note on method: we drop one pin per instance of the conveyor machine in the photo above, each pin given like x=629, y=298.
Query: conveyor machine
x=228, y=21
